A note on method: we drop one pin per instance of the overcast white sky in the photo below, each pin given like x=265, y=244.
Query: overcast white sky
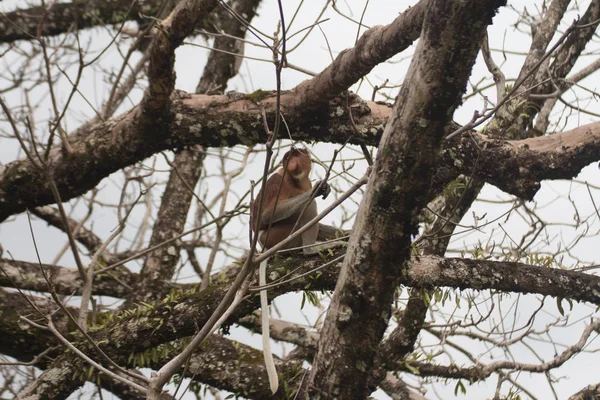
x=337, y=33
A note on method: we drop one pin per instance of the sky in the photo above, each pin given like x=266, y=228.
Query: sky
x=559, y=201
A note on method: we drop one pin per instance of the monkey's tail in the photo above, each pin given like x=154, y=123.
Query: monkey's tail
x=264, y=305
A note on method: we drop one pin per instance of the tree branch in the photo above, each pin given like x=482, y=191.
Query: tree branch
x=66, y=281
x=107, y=147
x=63, y=17
x=398, y=189
x=149, y=326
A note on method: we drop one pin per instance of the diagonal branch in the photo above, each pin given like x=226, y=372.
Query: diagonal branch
x=169, y=35
x=375, y=46
x=109, y=146
x=398, y=188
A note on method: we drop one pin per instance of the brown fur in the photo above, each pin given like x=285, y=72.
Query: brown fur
x=292, y=183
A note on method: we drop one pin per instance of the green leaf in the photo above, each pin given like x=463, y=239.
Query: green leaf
x=461, y=387
x=414, y=370
x=559, y=305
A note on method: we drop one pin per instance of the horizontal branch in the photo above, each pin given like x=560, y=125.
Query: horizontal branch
x=211, y=121
x=66, y=281
x=182, y=315
x=517, y=167
x=152, y=325
x=64, y=17
x=193, y=309
x=463, y=273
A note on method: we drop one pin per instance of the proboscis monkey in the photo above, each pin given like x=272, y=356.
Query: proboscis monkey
x=288, y=205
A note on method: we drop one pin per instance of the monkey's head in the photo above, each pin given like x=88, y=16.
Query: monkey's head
x=297, y=163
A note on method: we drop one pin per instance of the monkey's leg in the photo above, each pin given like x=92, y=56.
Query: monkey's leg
x=309, y=238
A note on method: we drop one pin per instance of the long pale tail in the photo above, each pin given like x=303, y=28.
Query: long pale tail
x=264, y=305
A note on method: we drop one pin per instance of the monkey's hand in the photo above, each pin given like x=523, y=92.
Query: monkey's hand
x=322, y=189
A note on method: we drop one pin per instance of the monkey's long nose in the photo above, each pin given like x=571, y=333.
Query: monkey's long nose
x=293, y=166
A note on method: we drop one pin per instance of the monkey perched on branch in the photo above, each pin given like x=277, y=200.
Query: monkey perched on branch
x=289, y=204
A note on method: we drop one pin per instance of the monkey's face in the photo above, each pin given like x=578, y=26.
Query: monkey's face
x=298, y=163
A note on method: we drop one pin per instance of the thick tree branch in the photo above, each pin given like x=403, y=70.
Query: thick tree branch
x=153, y=325
x=374, y=47
x=64, y=17
x=168, y=36
x=449, y=208
x=465, y=273
x=398, y=189
x=518, y=167
x=107, y=147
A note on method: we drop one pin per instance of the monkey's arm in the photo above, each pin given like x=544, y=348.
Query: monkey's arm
x=284, y=209
x=288, y=207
